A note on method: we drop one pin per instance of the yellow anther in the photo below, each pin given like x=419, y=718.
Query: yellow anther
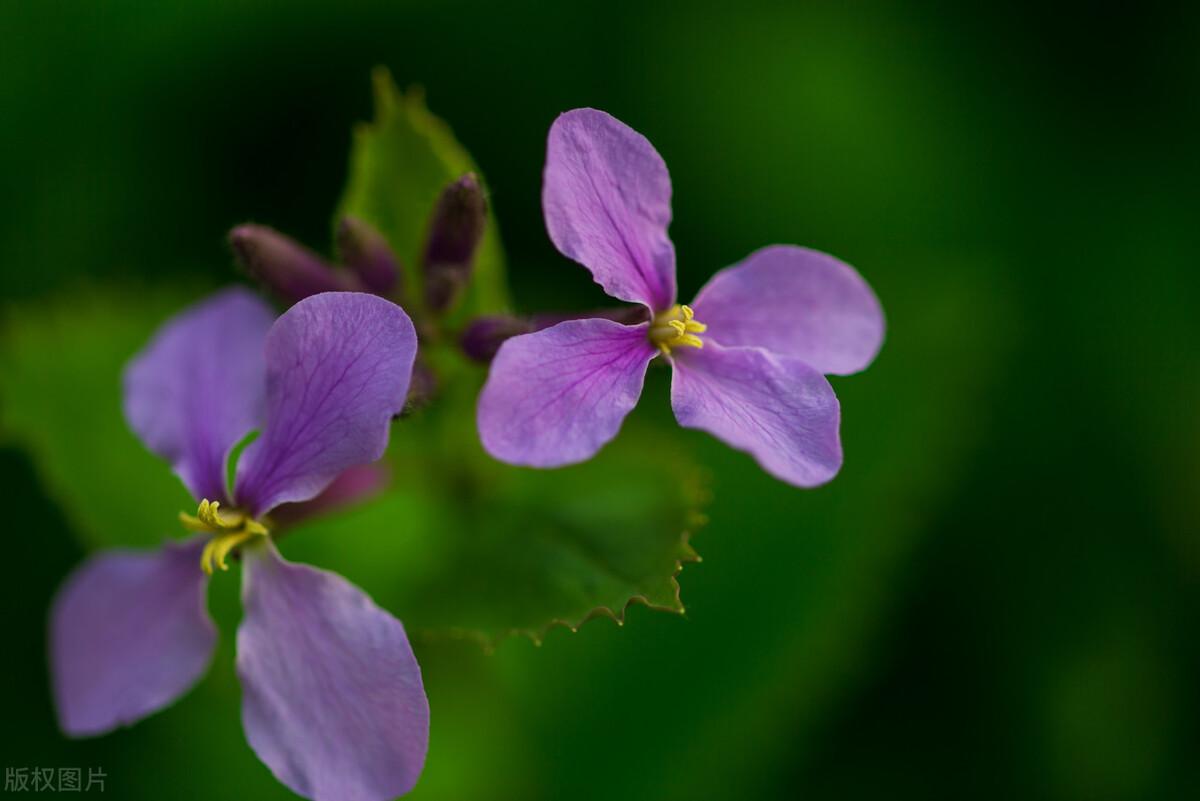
x=218, y=548
x=676, y=328
x=229, y=530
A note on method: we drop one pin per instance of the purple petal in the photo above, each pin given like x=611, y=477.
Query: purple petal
x=606, y=196
x=795, y=302
x=556, y=396
x=199, y=386
x=332, y=699
x=129, y=633
x=338, y=368
x=779, y=409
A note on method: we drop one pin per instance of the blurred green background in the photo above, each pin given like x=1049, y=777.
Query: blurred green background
x=997, y=598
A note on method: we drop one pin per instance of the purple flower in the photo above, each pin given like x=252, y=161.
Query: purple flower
x=332, y=696
x=749, y=355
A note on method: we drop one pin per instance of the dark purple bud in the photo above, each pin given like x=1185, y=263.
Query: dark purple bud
x=454, y=234
x=485, y=335
x=421, y=388
x=287, y=268
x=625, y=315
x=365, y=251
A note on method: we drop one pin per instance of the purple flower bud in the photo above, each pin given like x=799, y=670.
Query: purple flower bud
x=367, y=253
x=454, y=234
x=485, y=335
x=421, y=389
x=287, y=268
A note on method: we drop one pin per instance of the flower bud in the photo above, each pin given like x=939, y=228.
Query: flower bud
x=454, y=234
x=287, y=268
x=422, y=388
x=484, y=336
x=367, y=253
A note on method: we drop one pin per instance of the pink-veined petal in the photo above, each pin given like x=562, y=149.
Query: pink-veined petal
x=606, y=197
x=777, y=408
x=332, y=699
x=556, y=396
x=338, y=369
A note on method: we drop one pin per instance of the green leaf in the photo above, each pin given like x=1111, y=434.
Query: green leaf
x=399, y=164
x=465, y=548
x=60, y=380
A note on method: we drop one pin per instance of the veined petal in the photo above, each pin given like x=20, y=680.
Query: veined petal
x=777, y=408
x=129, y=634
x=338, y=369
x=200, y=385
x=332, y=699
x=795, y=302
x=556, y=396
x=606, y=196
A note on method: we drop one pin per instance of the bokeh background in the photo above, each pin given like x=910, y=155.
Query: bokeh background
x=997, y=598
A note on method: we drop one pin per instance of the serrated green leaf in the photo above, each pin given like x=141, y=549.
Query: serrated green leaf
x=518, y=551
x=399, y=164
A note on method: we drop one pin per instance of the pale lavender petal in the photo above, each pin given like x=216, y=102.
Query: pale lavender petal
x=606, y=196
x=199, y=386
x=778, y=408
x=332, y=699
x=338, y=368
x=129, y=634
x=795, y=302
x=556, y=396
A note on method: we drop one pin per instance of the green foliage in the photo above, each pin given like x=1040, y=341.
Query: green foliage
x=60, y=381
x=399, y=164
x=465, y=548
x=995, y=599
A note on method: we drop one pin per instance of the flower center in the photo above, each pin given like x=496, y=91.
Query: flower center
x=675, y=328
x=229, y=530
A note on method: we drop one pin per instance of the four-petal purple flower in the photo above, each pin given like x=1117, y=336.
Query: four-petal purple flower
x=333, y=701
x=749, y=355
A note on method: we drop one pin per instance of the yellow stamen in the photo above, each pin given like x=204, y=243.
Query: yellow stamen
x=676, y=328
x=229, y=530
